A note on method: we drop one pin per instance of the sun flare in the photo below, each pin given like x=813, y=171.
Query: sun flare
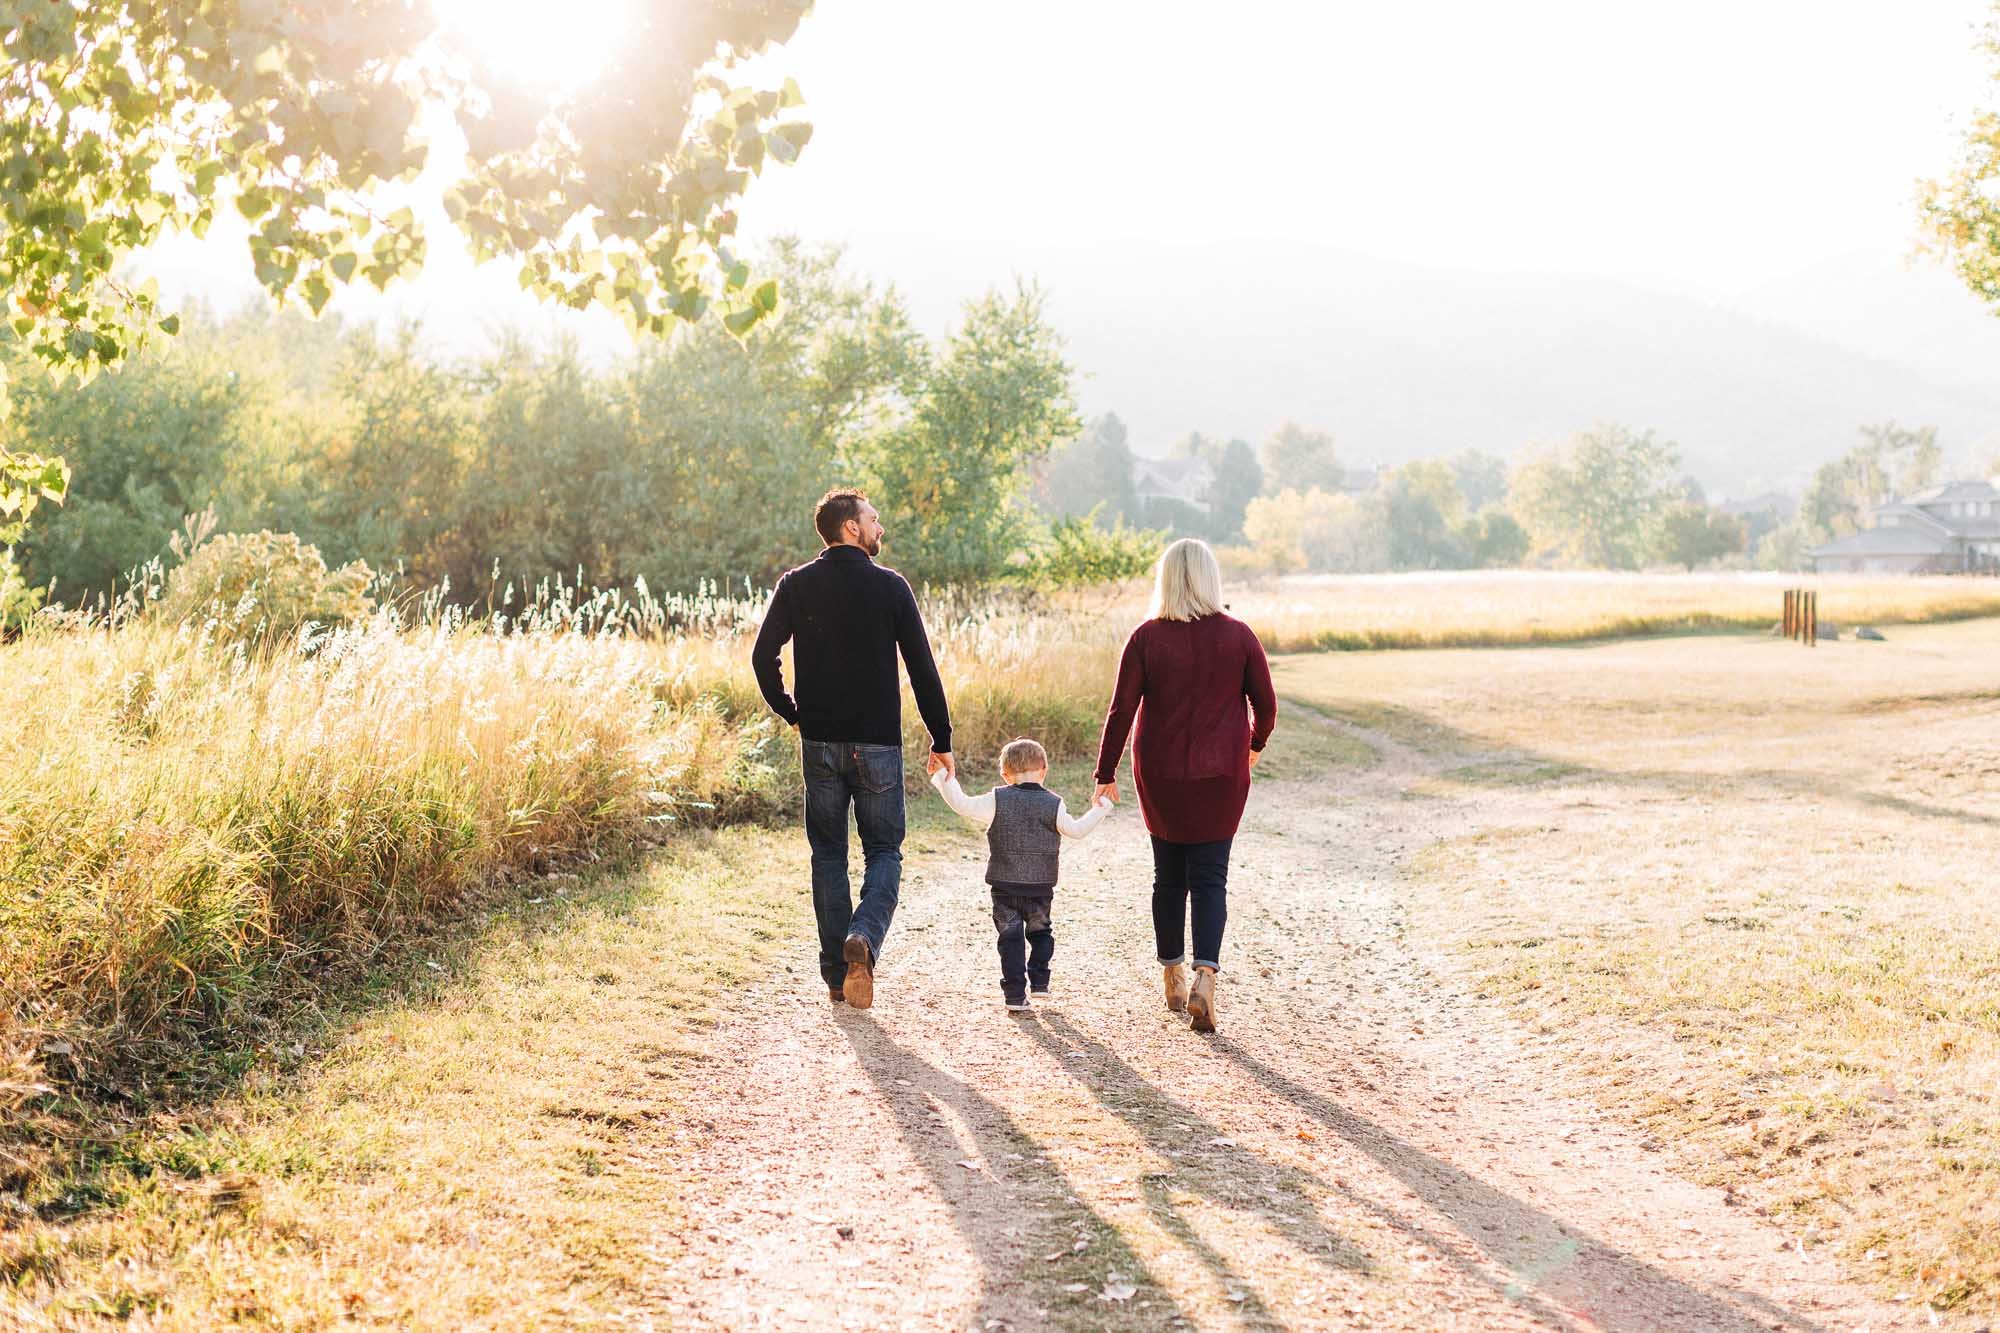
x=559, y=46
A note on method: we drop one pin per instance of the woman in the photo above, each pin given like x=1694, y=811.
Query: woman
x=1185, y=677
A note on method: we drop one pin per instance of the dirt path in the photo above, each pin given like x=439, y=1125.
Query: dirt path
x=1361, y=1145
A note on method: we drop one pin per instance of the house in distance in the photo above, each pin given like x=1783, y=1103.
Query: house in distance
x=1948, y=529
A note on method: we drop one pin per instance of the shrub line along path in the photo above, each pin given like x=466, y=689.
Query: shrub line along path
x=1364, y=1144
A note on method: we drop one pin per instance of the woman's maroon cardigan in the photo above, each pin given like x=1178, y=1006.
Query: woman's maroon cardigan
x=1187, y=683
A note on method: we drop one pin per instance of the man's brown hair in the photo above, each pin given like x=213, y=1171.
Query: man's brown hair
x=834, y=509
x=1022, y=756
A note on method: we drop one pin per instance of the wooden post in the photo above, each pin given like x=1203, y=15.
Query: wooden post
x=1812, y=619
x=1788, y=613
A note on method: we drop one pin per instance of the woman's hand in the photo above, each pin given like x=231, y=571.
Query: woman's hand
x=1255, y=755
x=1105, y=789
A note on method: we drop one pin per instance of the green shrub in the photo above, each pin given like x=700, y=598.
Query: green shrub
x=1077, y=553
x=256, y=585
x=18, y=601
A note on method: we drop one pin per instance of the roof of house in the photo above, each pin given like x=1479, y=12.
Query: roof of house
x=1168, y=476
x=1947, y=492
x=1901, y=513
x=1892, y=540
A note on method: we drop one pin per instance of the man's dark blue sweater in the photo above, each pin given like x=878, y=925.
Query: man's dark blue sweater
x=846, y=617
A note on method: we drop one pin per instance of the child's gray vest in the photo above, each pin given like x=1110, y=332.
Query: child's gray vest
x=1023, y=840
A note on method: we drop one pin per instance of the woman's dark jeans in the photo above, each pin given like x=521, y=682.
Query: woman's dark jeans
x=1183, y=871
x=870, y=779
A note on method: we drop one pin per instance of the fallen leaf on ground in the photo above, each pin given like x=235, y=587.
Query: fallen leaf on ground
x=969, y=1164
x=1117, y=1291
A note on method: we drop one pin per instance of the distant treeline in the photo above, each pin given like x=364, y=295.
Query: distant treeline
x=1609, y=498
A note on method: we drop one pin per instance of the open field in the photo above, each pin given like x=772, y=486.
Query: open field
x=1746, y=889
x=1740, y=887
x=1506, y=607
x=532, y=1124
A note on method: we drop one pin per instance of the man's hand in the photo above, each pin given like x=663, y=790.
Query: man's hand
x=941, y=759
x=1106, y=789
x=1255, y=755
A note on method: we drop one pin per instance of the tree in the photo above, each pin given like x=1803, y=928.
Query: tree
x=1493, y=539
x=1235, y=479
x=1090, y=474
x=128, y=120
x=154, y=444
x=1893, y=461
x=1300, y=459
x=1593, y=501
x=1961, y=212
x=1422, y=506
x=1080, y=551
x=1239, y=479
x=1690, y=533
x=1482, y=478
x=948, y=479
x=1327, y=532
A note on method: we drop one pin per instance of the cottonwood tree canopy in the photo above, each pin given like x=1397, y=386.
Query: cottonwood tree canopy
x=1961, y=211
x=124, y=120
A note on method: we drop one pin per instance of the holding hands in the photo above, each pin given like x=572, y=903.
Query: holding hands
x=936, y=760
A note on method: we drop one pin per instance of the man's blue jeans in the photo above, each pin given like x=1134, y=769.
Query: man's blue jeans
x=870, y=777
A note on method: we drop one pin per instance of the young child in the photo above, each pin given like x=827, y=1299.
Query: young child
x=1025, y=824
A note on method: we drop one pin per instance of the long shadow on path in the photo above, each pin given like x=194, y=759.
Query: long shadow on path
x=1553, y=1265
x=1554, y=1271
x=1016, y=1280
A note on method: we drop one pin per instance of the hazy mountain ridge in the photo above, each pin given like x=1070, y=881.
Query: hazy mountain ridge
x=1402, y=361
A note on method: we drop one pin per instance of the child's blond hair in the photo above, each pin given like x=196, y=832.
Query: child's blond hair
x=1022, y=756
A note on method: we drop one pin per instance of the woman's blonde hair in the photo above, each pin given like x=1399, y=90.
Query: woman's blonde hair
x=1188, y=583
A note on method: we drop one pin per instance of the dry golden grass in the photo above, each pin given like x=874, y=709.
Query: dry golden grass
x=1499, y=608
x=1749, y=887
x=484, y=1135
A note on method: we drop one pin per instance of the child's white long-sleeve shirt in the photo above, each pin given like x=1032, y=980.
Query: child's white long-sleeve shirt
x=979, y=809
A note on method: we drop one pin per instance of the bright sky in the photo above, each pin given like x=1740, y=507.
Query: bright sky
x=1709, y=143
x=1705, y=146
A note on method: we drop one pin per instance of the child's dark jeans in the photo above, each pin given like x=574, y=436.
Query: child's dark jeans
x=1025, y=940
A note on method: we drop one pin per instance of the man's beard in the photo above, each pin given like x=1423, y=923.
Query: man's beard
x=873, y=546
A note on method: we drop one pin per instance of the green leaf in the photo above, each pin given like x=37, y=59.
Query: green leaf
x=171, y=325
x=765, y=298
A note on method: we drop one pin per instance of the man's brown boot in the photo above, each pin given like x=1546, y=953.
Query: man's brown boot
x=859, y=991
x=836, y=994
x=1177, y=987
x=1201, y=1000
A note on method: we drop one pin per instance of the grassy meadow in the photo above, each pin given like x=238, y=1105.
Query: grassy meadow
x=1747, y=888
x=211, y=851
x=1501, y=608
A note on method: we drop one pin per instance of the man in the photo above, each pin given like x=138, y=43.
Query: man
x=846, y=618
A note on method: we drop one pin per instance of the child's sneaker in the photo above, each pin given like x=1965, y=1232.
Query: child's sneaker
x=1018, y=1003
x=1040, y=994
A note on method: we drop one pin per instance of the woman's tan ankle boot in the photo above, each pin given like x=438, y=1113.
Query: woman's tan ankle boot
x=1177, y=987
x=1201, y=1000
